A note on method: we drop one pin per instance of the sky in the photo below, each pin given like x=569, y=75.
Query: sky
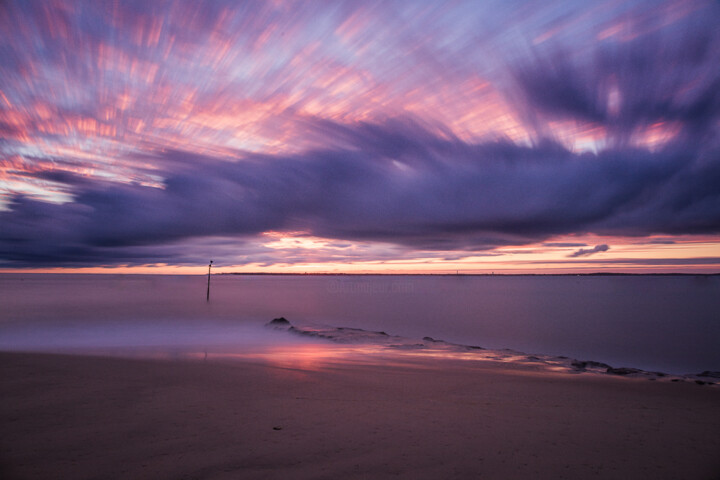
x=389, y=137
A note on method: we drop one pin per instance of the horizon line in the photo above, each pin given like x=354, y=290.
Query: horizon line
x=367, y=274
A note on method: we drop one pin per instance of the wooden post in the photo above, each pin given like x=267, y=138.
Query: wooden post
x=208, y=289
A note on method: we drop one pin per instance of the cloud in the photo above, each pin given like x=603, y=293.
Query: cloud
x=564, y=244
x=584, y=252
x=150, y=165
x=397, y=183
x=661, y=76
x=657, y=241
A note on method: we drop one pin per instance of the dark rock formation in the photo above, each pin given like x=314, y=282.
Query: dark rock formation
x=311, y=333
x=347, y=335
x=279, y=324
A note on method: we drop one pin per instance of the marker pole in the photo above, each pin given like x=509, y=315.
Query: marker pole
x=208, y=289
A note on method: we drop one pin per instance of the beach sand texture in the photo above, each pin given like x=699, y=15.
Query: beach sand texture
x=76, y=417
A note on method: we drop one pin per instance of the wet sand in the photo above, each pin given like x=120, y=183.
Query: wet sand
x=75, y=417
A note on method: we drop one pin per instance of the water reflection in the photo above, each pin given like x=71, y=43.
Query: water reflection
x=325, y=355
x=657, y=323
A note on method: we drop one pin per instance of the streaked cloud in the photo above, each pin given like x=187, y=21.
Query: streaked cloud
x=584, y=252
x=154, y=132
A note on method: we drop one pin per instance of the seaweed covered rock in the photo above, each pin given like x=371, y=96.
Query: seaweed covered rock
x=280, y=323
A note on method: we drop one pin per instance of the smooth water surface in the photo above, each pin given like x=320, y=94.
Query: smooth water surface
x=667, y=323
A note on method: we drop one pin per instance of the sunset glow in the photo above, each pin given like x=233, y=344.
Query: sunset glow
x=360, y=137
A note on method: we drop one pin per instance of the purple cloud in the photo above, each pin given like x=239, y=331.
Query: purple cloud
x=154, y=130
x=667, y=75
x=396, y=183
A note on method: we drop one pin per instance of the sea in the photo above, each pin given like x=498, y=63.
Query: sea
x=667, y=323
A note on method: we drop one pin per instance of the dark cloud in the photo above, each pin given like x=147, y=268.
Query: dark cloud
x=399, y=183
x=666, y=75
x=584, y=252
x=657, y=241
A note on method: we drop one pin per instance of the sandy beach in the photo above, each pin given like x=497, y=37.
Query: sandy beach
x=66, y=416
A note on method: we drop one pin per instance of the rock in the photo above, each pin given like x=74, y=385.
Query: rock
x=278, y=323
x=708, y=373
x=308, y=333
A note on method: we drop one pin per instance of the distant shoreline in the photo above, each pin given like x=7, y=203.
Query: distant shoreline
x=595, y=274
x=339, y=274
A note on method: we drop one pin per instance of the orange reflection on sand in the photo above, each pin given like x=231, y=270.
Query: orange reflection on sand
x=321, y=356
x=311, y=357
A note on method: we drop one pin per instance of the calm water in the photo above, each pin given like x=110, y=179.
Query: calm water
x=668, y=323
